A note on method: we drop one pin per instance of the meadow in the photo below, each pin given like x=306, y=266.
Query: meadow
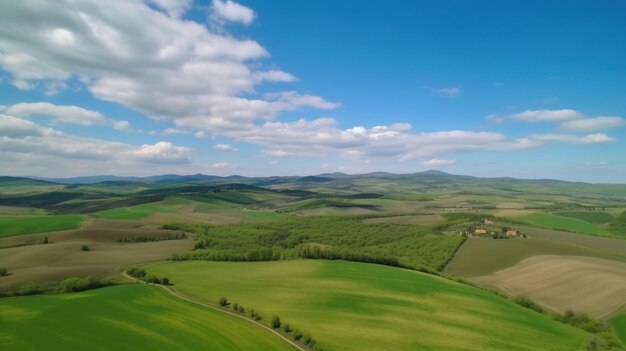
x=357, y=306
x=29, y=224
x=619, y=324
x=129, y=317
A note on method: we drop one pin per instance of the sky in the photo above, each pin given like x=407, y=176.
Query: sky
x=525, y=89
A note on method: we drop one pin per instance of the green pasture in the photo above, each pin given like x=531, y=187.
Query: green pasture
x=133, y=212
x=130, y=317
x=31, y=224
x=550, y=221
x=619, y=324
x=356, y=306
x=595, y=217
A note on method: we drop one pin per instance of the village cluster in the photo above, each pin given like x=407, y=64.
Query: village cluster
x=487, y=227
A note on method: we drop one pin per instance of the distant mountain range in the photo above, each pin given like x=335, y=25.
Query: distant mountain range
x=430, y=175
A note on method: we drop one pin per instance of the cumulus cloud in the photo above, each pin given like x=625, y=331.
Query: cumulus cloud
x=179, y=70
x=225, y=148
x=28, y=148
x=231, y=11
x=437, y=162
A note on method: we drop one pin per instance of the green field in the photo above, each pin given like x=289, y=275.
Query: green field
x=18, y=225
x=595, y=217
x=131, y=317
x=355, y=306
x=550, y=221
x=132, y=212
x=619, y=323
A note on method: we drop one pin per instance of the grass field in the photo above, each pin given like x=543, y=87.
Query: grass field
x=18, y=225
x=550, y=221
x=586, y=284
x=355, y=306
x=131, y=317
x=595, y=217
x=132, y=212
x=619, y=323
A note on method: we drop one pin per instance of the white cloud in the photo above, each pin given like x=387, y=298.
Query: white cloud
x=58, y=113
x=225, y=148
x=174, y=131
x=64, y=114
x=547, y=115
x=438, y=162
x=122, y=125
x=28, y=148
x=589, y=124
x=222, y=166
x=448, y=92
x=178, y=70
x=573, y=139
x=231, y=11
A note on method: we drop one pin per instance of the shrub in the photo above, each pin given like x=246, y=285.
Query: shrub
x=287, y=328
x=241, y=309
x=528, y=303
x=165, y=281
x=223, y=302
x=275, y=323
x=45, y=240
x=136, y=272
x=3, y=271
x=235, y=307
x=297, y=335
x=80, y=284
x=84, y=248
x=583, y=321
x=152, y=279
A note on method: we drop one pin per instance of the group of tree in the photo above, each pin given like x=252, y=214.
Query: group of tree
x=141, y=274
x=145, y=239
x=82, y=284
x=275, y=323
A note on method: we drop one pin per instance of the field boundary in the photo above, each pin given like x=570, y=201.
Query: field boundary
x=178, y=295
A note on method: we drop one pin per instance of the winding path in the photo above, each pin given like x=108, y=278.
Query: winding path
x=174, y=293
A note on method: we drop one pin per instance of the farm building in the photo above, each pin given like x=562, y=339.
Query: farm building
x=511, y=232
x=480, y=231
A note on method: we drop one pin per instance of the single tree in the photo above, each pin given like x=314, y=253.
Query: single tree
x=275, y=322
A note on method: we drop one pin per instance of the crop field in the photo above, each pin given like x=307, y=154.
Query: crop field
x=356, y=306
x=592, y=285
x=595, y=217
x=550, y=221
x=480, y=256
x=29, y=224
x=130, y=317
x=63, y=258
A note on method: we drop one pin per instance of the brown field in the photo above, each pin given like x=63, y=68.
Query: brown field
x=592, y=285
x=62, y=258
x=425, y=219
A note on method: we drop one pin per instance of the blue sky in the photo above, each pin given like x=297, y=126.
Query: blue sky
x=529, y=89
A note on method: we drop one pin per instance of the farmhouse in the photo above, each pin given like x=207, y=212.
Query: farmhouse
x=480, y=231
x=511, y=232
